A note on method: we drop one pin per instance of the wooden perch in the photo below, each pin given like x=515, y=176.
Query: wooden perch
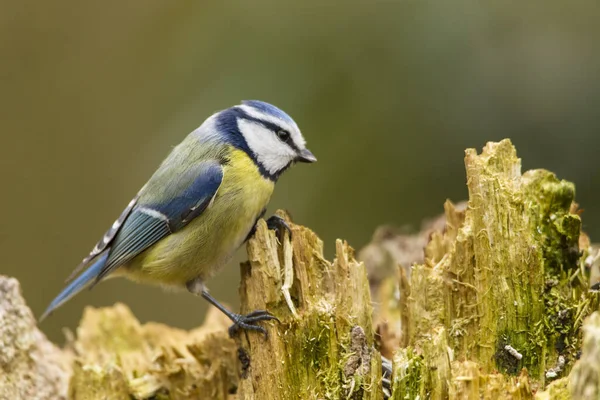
x=325, y=349
x=497, y=307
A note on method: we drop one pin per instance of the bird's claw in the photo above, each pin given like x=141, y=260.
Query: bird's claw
x=278, y=224
x=248, y=322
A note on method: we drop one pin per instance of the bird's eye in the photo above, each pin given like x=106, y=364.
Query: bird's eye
x=283, y=135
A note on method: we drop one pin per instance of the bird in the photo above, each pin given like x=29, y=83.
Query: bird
x=200, y=205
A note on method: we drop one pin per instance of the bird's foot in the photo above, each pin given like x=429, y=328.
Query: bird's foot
x=278, y=224
x=249, y=321
x=240, y=321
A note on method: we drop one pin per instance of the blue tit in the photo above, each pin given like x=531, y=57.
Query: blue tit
x=200, y=206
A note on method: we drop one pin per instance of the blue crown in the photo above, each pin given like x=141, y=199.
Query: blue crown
x=268, y=109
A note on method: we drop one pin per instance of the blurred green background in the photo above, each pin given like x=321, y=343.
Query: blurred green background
x=387, y=93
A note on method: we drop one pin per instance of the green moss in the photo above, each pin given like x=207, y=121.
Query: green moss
x=558, y=227
x=316, y=345
x=312, y=368
x=408, y=375
x=558, y=230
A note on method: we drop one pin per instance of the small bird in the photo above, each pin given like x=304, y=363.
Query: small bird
x=200, y=206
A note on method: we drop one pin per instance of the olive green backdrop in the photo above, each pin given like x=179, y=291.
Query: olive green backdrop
x=388, y=94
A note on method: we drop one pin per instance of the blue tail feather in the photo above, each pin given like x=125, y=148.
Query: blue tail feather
x=77, y=285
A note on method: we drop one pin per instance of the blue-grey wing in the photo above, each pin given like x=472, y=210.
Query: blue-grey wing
x=143, y=228
x=150, y=221
x=145, y=222
x=106, y=239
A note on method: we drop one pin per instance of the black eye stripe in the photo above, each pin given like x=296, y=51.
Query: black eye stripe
x=274, y=128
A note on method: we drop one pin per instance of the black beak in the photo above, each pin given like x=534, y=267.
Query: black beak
x=306, y=156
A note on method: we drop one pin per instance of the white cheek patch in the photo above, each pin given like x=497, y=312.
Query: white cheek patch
x=272, y=153
x=291, y=128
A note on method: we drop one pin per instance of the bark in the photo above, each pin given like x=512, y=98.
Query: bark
x=496, y=309
x=324, y=345
x=118, y=358
x=30, y=366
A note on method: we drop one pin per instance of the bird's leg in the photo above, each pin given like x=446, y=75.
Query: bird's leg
x=245, y=322
x=251, y=233
x=240, y=321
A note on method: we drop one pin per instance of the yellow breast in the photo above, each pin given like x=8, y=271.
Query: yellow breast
x=209, y=241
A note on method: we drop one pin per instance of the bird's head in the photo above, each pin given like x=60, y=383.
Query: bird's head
x=266, y=133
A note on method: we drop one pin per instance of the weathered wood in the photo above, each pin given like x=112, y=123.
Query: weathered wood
x=502, y=293
x=119, y=358
x=30, y=366
x=323, y=347
x=585, y=377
